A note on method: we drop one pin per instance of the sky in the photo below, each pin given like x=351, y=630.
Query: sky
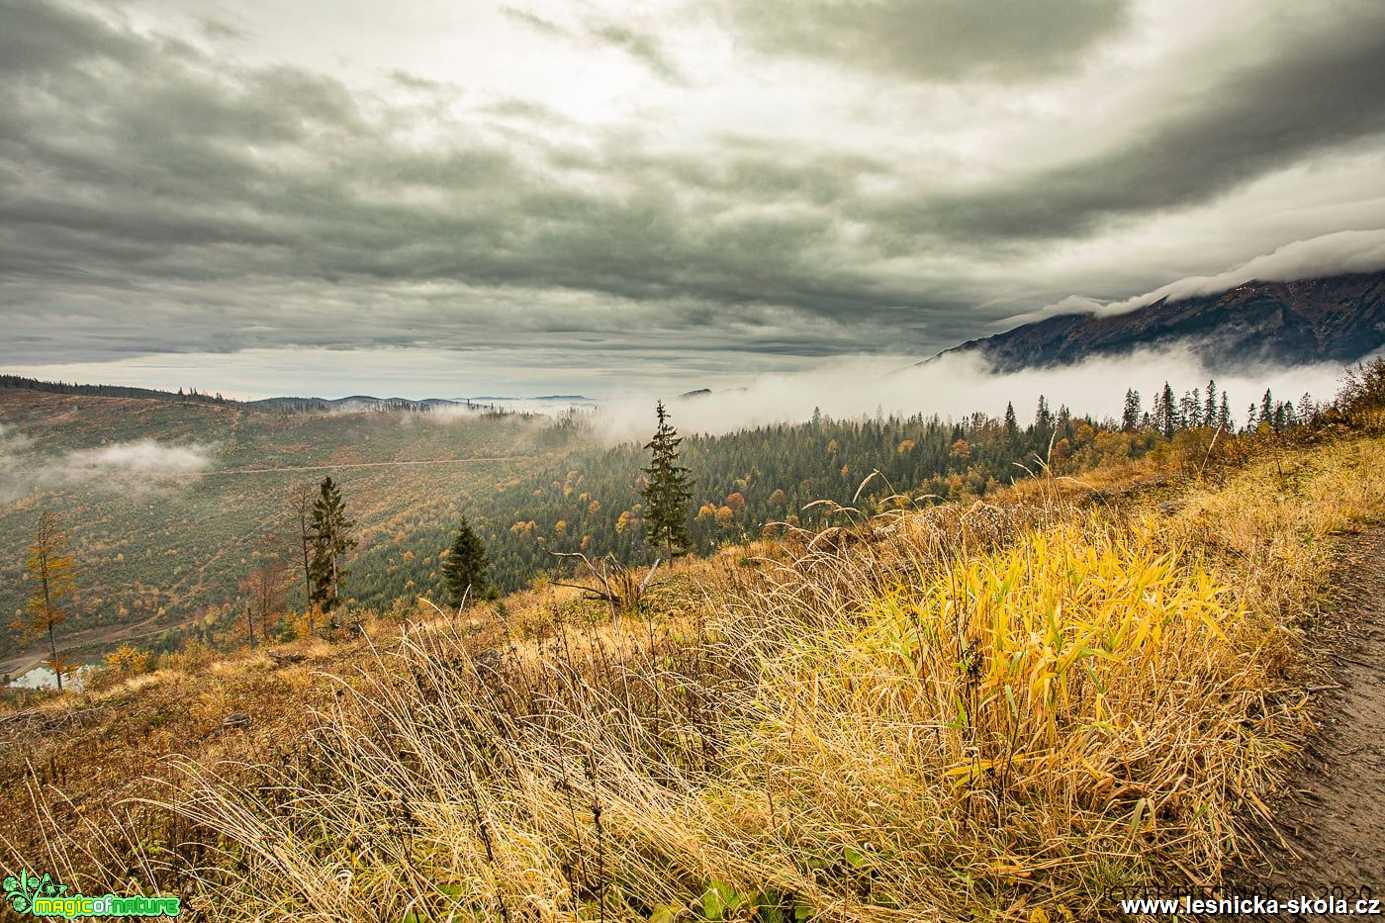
x=450, y=197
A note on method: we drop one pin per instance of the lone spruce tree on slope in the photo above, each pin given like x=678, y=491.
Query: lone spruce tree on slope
x=331, y=542
x=666, y=491
x=467, y=571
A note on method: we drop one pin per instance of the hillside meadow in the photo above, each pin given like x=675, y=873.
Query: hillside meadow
x=1006, y=709
x=170, y=504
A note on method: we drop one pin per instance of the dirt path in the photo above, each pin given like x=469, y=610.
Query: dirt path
x=1333, y=820
x=104, y=635
x=421, y=462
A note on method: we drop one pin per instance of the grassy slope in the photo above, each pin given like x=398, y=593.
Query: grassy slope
x=161, y=554
x=953, y=714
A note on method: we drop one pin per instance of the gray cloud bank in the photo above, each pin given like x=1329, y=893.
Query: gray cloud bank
x=933, y=40
x=159, y=195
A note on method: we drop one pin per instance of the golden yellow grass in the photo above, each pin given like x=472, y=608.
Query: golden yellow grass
x=997, y=712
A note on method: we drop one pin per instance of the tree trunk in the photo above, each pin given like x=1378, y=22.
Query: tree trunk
x=48, y=616
x=53, y=651
x=307, y=568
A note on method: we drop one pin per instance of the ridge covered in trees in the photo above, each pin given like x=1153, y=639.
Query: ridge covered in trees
x=62, y=387
x=557, y=490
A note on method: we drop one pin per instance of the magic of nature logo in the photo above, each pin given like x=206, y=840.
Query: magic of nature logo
x=44, y=896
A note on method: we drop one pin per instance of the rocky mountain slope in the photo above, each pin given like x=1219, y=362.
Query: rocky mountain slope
x=1341, y=318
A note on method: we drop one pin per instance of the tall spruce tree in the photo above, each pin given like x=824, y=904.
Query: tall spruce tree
x=1130, y=418
x=1224, y=414
x=1209, y=409
x=1306, y=410
x=1168, y=411
x=467, y=571
x=331, y=542
x=1189, y=407
x=666, y=491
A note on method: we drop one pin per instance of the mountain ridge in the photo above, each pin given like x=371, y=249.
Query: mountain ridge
x=1332, y=318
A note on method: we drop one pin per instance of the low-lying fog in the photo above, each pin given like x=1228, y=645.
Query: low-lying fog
x=958, y=384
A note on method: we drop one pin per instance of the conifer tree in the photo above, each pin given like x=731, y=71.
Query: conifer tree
x=666, y=492
x=1012, y=427
x=1189, y=407
x=1209, y=407
x=1267, y=408
x=467, y=571
x=1168, y=416
x=1224, y=414
x=53, y=570
x=1130, y=418
x=1306, y=409
x=331, y=542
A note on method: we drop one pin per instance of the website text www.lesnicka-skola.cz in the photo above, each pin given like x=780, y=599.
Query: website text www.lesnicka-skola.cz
x=1335, y=901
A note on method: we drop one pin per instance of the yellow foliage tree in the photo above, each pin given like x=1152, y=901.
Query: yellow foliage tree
x=129, y=660
x=53, y=570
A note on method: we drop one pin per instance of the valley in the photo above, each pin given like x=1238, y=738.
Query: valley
x=166, y=548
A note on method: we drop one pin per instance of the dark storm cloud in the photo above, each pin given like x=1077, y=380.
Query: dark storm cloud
x=1314, y=96
x=221, y=30
x=157, y=197
x=932, y=40
x=38, y=37
x=644, y=47
x=535, y=21
x=124, y=175
x=641, y=45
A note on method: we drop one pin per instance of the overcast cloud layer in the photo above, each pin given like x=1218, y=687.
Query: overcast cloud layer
x=534, y=196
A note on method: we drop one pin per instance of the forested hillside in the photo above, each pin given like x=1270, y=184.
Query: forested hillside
x=167, y=550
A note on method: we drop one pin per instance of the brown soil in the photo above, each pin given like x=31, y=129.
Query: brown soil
x=1331, y=823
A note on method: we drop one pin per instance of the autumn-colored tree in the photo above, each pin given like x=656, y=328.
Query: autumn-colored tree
x=53, y=570
x=264, y=587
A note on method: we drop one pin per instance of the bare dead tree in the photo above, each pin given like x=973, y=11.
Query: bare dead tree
x=265, y=586
x=303, y=507
x=618, y=585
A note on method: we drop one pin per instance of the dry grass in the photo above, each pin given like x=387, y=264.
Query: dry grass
x=996, y=713
x=1000, y=712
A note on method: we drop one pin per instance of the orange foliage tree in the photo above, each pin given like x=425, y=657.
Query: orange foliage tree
x=53, y=569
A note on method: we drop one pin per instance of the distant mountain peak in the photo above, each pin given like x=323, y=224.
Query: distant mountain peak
x=1331, y=319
